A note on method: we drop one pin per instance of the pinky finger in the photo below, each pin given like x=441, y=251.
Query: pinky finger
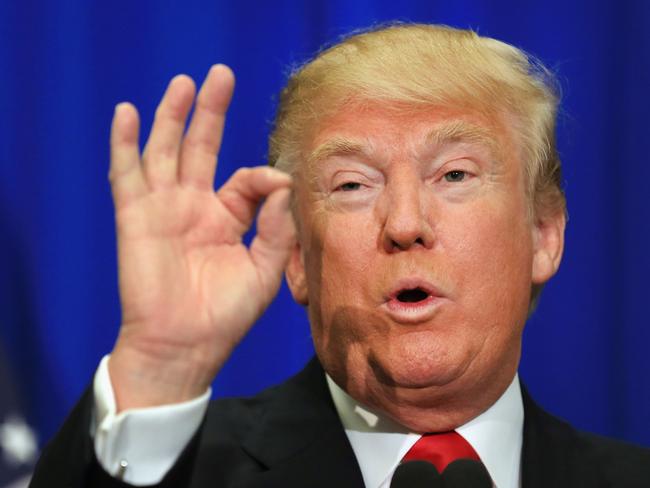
x=126, y=177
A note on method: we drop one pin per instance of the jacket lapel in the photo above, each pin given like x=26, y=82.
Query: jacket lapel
x=552, y=454
x=299, y=437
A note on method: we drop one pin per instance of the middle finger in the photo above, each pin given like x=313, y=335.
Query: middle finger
x=160, y=157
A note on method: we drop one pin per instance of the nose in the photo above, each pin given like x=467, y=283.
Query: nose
x=407, y=216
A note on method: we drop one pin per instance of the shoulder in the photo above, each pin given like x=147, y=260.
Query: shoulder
x=300, y=400
x=554, y=450
x=613, y=458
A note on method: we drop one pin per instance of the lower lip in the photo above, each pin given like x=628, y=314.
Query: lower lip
x=412, y=312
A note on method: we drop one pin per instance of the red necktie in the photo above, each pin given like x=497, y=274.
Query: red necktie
x=441, y=449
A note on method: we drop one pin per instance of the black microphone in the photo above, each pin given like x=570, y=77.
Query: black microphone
x=465, y=473
x=416, y=474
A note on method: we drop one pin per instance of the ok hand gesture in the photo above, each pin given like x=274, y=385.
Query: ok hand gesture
x=189, y=288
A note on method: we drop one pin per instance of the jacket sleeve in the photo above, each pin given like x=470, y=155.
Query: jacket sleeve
x=68, y=460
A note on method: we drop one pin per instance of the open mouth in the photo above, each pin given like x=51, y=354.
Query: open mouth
x=413, y=301
x=412, y=295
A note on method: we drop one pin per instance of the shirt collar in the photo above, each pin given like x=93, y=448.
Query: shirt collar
x=379, y=443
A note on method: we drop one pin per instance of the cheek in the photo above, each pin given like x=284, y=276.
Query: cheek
x=349, y=248
x=339, y=263
x=493, y=248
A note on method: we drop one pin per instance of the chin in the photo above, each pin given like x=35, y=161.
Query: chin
x=419, y=360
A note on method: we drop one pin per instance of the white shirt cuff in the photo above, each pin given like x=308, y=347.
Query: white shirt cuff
x=148, y=441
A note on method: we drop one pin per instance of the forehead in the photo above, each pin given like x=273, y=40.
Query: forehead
x=386, y=130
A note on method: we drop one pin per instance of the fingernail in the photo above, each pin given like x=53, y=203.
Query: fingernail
x=287, y=199
x=217, y=66
x=224, y=68
x=276, y=173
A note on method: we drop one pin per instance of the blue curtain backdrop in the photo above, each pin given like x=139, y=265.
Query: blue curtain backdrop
x=65, y=64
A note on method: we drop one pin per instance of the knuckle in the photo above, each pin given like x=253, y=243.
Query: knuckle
x=242, y=173
x=115, y=172
x=158, y=114
x=203, y=103
x=191, y=140
x=198, y=143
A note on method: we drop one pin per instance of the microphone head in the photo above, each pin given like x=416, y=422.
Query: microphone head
x=466, y=473
x=416, y=474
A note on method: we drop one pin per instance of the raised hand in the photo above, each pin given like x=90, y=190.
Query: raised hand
x=189, y=288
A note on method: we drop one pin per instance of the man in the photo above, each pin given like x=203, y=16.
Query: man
x=418, y=164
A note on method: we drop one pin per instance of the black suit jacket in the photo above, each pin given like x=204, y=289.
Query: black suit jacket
x=291, y=436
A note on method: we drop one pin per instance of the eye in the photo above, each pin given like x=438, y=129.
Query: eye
x=349, y=186
x=455, y=176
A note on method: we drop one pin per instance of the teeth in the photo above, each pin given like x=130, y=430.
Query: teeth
x=412, y=296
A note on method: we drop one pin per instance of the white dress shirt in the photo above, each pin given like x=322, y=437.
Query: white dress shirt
x=141, y=445
x=379, y=443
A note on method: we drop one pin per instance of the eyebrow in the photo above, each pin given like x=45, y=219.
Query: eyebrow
x=336, y=146
x=440, y=135
x=462, y=131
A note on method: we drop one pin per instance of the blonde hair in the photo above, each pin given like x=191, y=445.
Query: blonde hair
x=417, y=66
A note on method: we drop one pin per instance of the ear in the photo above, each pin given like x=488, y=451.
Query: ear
x=548, y=242
x=296, y=277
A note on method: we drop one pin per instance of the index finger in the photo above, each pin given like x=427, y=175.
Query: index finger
x=203, y=139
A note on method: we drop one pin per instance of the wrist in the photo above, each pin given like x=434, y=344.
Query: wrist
x=143, y=379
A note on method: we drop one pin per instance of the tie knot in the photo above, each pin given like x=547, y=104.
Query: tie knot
x=441, y=449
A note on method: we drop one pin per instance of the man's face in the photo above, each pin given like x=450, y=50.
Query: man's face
x=416, y=259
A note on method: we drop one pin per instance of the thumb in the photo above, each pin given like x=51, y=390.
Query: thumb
x=276, y=236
